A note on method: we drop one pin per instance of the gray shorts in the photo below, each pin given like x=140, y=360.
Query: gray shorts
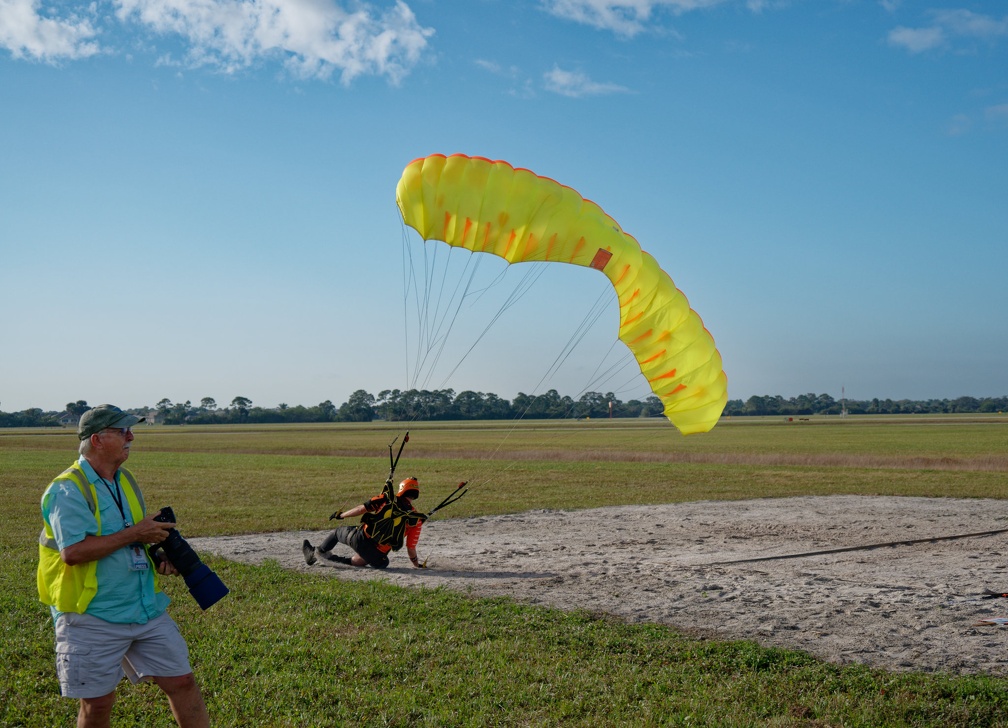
x=93, y=655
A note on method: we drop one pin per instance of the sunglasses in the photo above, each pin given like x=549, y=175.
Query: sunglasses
x=121, y=430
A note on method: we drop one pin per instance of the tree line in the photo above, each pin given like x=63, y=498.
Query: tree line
x=445, y=404
x=823, y=404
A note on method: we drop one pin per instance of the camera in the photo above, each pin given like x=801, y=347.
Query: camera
x=205, y=586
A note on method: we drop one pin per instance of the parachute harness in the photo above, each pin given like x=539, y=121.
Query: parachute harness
x=388, y=524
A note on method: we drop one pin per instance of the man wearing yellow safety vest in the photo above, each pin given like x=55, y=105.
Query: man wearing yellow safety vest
x=102, y=586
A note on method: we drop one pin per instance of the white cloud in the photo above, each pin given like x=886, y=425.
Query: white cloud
x=997, y=114
x=959, y=125
x=946, y=26
x=575, y=84
x=996, y=117
x=27, y=34
x=968, y=24
x=312, y=38
x=917, y=40
x=758, y=6
x=623, y=17
x=497, y=69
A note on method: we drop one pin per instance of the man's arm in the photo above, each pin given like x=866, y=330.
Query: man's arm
x=93, y=548
x=412, y=539
x=413, y=557
x=353, y=512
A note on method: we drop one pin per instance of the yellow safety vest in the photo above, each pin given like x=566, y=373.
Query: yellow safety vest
x=71, y=588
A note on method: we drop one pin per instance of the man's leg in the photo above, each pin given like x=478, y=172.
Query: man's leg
x=160, y=654
x=337, y=536
x=324, y=549
x=333, y=558
x=186, y=700
x=96, y=712
x=366, y=551
x=89, y=654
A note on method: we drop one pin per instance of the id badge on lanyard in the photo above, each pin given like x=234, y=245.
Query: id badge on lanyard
x=137, y=553
x=138, y=557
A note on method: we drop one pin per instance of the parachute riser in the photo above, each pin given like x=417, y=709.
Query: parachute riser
x=395, y=462
x=452, y=497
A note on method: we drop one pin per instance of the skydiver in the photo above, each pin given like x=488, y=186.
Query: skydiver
x=386, y=522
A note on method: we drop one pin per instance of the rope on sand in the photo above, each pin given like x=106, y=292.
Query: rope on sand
x=866, y=547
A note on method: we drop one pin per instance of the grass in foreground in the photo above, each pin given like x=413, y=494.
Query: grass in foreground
x=288, y=649
x=291, y=649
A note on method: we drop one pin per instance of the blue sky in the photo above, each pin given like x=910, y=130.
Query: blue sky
x=197, y=198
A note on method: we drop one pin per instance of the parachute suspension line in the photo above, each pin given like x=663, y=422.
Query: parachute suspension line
x=409, y=278
x=591, y=318
x=438, y=332
x=432, y=318
x=437, y=312
x=420, y=296
x=601, y=376
x=593, y=314
x=445, y=315
x=442, y=318
x=466, y=294
x=524, y=285
x=427, y=324
x=424, y=324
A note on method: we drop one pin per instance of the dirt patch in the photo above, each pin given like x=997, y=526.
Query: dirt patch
x=913, y=605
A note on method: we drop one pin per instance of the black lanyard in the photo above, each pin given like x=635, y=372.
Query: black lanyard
x=117, y=497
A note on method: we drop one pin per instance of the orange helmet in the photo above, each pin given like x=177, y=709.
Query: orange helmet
x=409, y=488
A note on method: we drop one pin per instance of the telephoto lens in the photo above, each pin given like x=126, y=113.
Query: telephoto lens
x=205, y=586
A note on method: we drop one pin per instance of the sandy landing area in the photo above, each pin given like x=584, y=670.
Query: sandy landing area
x=913, y=606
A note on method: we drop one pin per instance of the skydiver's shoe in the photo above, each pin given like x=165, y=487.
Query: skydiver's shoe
x=309, y=552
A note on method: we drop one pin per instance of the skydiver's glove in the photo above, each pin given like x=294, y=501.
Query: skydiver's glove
x=338, y=515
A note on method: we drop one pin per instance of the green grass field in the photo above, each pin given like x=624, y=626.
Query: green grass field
x=297, y=649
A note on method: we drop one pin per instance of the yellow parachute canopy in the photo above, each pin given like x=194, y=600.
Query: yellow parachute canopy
x=491, y=207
